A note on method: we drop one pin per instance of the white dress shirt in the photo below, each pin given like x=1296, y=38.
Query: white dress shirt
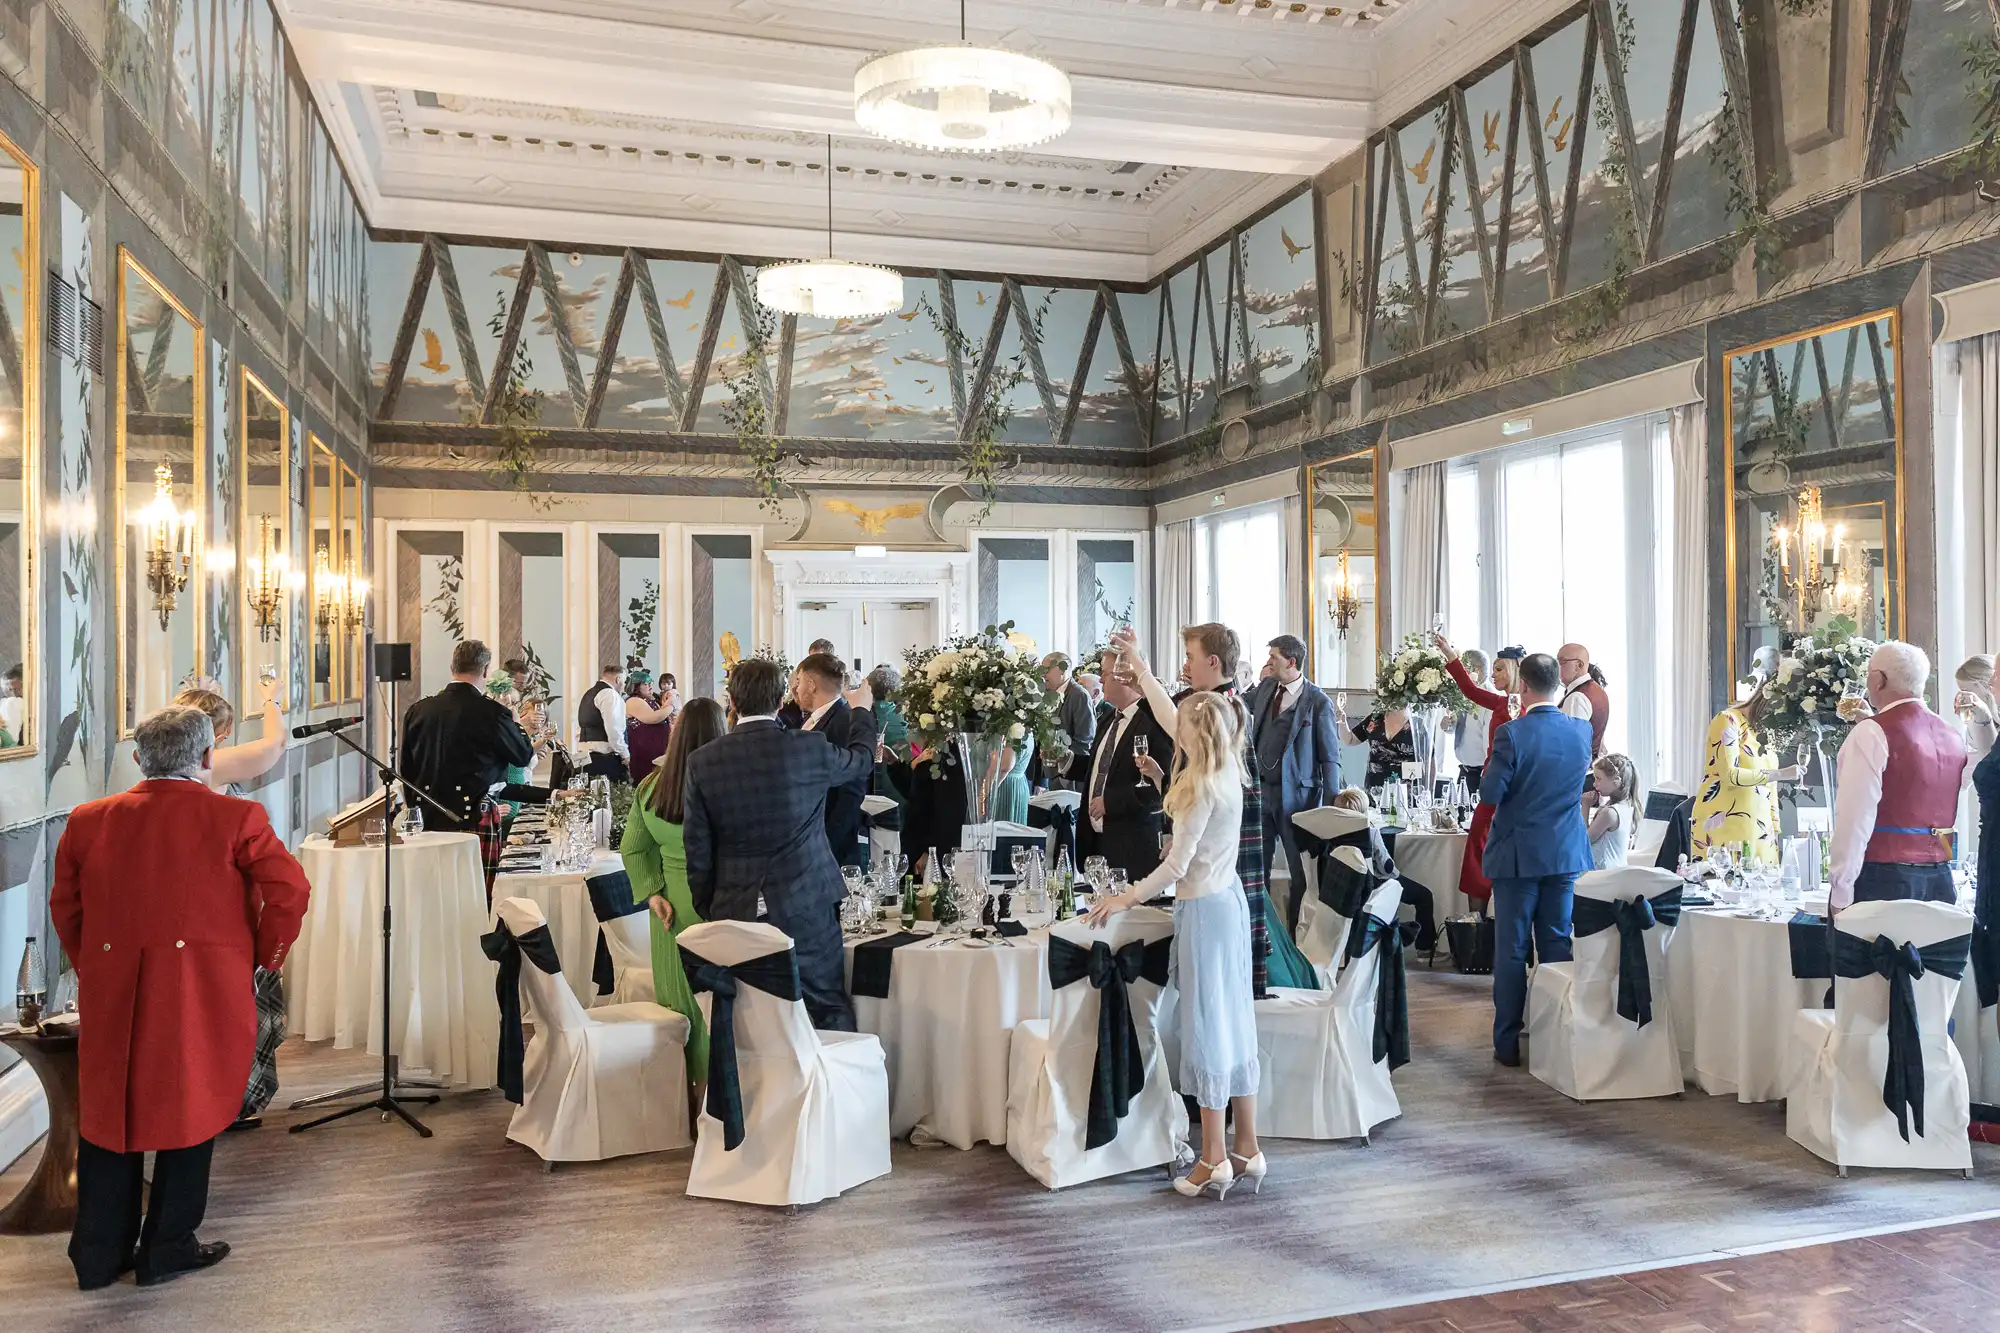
x=1288, y=695
x=1575, y=702
x=611, y=708
x=812, y=723
x=1472, y=733
x=1864, y=756
x=1107, y=753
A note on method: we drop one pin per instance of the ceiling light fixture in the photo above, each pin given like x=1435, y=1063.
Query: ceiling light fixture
x=962, y=99
x=830, y=288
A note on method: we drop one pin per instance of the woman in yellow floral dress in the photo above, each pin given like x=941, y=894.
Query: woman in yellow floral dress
x=1738, y=800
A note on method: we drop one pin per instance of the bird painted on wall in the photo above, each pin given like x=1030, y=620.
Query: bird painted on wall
x=1292, y=248
x=732, y=649
x=907, y=318
x=1560, y=139
x=686, y=302
x=874, y=522
x=1421, y=168
x=979, y=298
x=1491, y=122
x=1549, y=122
x=434, y=360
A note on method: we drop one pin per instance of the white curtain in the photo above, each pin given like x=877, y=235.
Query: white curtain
x=1173, y=584
x=1977, y=496
x=1292, y=587
x=1687, y=434
x=1417, y=580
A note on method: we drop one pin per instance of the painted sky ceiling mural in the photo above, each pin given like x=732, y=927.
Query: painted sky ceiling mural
x=642, y=342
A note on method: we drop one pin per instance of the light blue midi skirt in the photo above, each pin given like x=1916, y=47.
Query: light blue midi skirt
x=1211, y=971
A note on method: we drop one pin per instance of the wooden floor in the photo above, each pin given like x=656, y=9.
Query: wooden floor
x=1489, y=1179
x=1943, y=1280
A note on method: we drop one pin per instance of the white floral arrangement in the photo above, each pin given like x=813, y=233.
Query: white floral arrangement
x=982, y=685
x=1414, y=677
x=1812, y=677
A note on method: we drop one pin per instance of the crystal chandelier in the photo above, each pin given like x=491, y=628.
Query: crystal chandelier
x=265, y=581
x=1818, y=572
x=168, y=559
x=830, y=288
x=1345, y=603
x=962, y=99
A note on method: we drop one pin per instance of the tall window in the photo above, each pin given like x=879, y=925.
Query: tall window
x=1014, y=586
x=1239, y=559
x=1571, y=541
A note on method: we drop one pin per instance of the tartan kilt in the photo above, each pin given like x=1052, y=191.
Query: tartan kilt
x=495, y=819
x=1250, y=869
x=269, y=988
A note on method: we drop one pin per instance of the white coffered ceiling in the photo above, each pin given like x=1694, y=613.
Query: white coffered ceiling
x=700, y=124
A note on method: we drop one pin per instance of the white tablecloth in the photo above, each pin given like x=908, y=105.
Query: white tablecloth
x=1734, y=999
x=443, y=1017
x=1433, y=860
x=572, y=924
x=947, y=1027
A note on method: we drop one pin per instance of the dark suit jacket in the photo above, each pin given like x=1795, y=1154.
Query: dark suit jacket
x=755, y=819
x=1534, y=781
x=1310, y=772
x=457, y=745
x=934, y=818
x=844, y=821
x=1132, y=818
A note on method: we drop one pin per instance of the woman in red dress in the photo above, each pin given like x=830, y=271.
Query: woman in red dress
x=1501, y=703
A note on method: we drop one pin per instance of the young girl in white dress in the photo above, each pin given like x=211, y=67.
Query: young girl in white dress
x=1211, y=949
x=1611, y=809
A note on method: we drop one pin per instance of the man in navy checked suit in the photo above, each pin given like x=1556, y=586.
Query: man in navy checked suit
x=755, y=828
x=1538, y=844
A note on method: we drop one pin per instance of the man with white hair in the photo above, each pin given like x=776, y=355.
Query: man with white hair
x=1899, y=778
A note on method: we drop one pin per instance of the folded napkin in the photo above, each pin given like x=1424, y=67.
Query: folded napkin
x=872, y=960
x=1011, y=928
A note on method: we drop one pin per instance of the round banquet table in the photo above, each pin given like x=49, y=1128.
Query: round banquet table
x=1734, y=998
x=443, y=1017
x=1433, y=860
x=572, y=922
x=946, y=1029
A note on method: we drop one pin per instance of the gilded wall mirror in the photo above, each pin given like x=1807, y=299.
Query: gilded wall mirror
x=354, y=587
x=1342, y=608
x=20, y=374
x=269, y=574
x=1813, y=443
x=159, y=479
x=322, y=498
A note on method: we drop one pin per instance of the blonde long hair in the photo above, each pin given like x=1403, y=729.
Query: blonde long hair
x=1208, y=751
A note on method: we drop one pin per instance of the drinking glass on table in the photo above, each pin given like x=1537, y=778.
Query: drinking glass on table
x=1121, y=880
x=375, y=831
x=1141, y=747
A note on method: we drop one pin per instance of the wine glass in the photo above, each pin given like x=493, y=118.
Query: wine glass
x=1141, y=747
x=1018, y=858
x=1121, y=880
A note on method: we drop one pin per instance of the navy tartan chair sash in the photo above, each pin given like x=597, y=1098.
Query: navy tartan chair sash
x=1119, y=1071
x=1632, y=917
x=1902, y=964
x=775, y=974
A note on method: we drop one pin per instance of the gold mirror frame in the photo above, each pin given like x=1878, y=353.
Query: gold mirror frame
x=349, y=492
x=198, y=386
x=319, y=454
x=1894, y=579
x=1307, y=495
x=251, y=704
x=30, y=335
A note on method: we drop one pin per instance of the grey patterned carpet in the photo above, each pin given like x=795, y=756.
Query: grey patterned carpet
x=1489, y=1178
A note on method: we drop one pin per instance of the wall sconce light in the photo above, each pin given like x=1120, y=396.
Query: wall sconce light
x=265, y=581
x=353, y=598
x=169, y=561
x=326, y=595
x=1345, y=603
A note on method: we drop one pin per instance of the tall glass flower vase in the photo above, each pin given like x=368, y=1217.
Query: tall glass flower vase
x=980, y=758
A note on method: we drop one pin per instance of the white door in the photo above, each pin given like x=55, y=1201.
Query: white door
x=838, y=621
x=889, y=628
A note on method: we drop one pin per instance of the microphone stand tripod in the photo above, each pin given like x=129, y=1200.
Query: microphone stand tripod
x=383, y=1096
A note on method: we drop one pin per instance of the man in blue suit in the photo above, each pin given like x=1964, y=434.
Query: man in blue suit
x=755, y=826
x=1538, y=844
x=1296, y=750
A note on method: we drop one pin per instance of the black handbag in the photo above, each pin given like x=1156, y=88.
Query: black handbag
x=1471, y=945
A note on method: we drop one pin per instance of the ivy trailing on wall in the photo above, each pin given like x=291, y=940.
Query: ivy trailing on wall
x=748, y=412
x=1743, y=201
x=1982, y=89
x=1597, y=309
x=980, y=458
x=517, y=412
x=642, y=613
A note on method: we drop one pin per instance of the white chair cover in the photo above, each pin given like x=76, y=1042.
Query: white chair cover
x=630, y=940
x=1050, y=800
x=1318, y=1077
x=1838, y=1057
x=1049, y=1071
x=1653, y=832
x=815, y=1104
x=1578, y=1043
x=601, y=1083
x=1321, y=932
x=882, y=842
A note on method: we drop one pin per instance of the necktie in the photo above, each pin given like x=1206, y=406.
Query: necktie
x=1109, y=757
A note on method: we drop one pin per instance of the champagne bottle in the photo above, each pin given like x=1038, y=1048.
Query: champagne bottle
x=1065, y=895
x=909, y=902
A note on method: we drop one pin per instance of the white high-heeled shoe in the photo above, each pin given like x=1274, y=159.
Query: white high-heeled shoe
x=1221, y=1175
x=1252, y=1170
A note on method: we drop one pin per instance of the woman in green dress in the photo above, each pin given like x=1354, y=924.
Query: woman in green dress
x=656, y=862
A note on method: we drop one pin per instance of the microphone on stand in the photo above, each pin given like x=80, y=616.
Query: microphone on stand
x=331, y=724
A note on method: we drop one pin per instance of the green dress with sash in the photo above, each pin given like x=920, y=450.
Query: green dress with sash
x=656, y=862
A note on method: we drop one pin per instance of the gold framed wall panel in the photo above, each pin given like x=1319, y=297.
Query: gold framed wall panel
x=29, y=440
x=250, y=388
x=1316, y=590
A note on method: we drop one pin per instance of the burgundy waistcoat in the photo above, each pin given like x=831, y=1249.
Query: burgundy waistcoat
x=1919, y=786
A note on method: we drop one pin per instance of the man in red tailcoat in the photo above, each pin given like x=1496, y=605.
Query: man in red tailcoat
x=166, y=897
